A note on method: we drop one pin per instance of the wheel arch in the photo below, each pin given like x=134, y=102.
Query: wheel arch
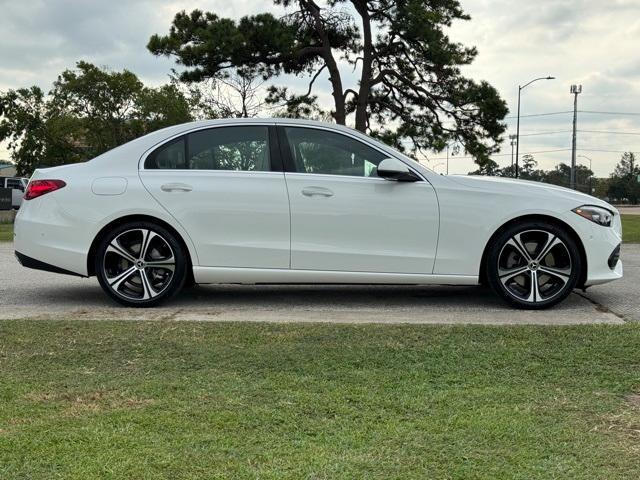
x=537, y=217
x=133, y=218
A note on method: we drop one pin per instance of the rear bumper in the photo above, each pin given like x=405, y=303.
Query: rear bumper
x=29, y=262
x=47, y=235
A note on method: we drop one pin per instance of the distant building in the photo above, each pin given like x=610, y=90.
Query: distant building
x=7, y=170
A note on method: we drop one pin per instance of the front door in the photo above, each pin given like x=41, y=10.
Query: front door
x=346, y=218
x=227, y=190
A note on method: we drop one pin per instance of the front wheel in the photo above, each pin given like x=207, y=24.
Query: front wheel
x=140, y=264
x=533, y=265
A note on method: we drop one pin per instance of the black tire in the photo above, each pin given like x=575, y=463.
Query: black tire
x=547, y=276
x=151, y=280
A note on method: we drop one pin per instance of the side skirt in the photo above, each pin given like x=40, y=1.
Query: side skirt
x=271, y=275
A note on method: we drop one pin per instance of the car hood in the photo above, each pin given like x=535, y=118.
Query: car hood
x=528, y=188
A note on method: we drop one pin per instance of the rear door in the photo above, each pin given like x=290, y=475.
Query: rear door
x=226, y=187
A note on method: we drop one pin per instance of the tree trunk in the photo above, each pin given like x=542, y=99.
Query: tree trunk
x=340, y=114
x=365, y=78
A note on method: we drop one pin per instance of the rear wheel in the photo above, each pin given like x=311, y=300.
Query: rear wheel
x=141, y=264
x=533, y=265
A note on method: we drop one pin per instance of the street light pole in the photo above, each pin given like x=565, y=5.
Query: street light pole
x=518, y=132
x=512, y=139
x=590, y=176
x=575, y=91
x=520, y=88
x=447, y=159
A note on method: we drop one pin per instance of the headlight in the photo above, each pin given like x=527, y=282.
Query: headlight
x=598, y=215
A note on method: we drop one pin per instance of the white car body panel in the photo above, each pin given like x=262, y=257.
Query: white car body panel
x=251, y=276
x=473, y=208
x=256, y=227
x=236, y=219
x=366, y=225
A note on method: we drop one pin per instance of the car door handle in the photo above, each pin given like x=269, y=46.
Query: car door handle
x=319, y=191
x=176, y=187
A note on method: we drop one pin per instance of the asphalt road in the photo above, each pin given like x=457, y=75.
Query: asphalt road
x=28, y=293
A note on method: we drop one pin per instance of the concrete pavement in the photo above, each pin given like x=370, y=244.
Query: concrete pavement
x=28, y=293
x=629, y=210
x=622, y=297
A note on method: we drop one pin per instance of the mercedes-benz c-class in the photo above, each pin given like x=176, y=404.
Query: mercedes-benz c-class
x=254, y=201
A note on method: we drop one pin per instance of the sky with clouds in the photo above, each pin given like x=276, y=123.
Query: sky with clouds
x=590, y=42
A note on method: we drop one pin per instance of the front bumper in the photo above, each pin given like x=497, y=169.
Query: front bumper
x=599, y=245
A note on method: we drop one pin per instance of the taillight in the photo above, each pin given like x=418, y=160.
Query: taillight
x=37, y=188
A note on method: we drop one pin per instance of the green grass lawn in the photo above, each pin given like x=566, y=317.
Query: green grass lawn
x=631, y=228
x=214, y=400
x=6, y=232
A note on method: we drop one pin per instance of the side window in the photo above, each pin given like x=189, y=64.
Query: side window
x=229, y=148
x=221, y=148
x=15, y=183
x=168, y=156
x=324, y=152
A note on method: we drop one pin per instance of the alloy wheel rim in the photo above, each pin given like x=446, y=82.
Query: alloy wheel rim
x=534, y=266
x=139, y=264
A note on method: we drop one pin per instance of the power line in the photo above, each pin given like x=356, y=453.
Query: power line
x=606, y=151
x=533, y=134
x=612, y=132
x=609, y=113
x=553, y=132
x=541, y=114
x=547, y=114
x=499, y=154
x=594, y=112
x=451, y=157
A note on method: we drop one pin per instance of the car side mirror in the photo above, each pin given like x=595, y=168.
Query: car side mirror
x=394, y=169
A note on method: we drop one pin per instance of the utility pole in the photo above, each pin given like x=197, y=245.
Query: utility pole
x=575, y=91
x=512, y=138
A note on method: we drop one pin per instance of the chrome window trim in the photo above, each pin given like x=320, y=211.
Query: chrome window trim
x=263, y=123
x=158, y=145
x=353, y=137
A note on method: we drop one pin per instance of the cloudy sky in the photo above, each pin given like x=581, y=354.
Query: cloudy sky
x=590, y=42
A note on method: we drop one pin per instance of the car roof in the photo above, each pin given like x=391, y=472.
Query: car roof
x=138, y=147
x=159, y=136
x=257, y=120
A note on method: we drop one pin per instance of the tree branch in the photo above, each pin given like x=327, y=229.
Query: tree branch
x=348, y=91
x=317, y=74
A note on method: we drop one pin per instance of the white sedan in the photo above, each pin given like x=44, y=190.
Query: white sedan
x=291, y=201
